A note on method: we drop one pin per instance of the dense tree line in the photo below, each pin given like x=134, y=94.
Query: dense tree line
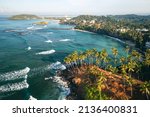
x=129, y=27
x=127, y=68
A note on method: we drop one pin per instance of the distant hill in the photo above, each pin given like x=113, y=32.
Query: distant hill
x=132, y=17
x=24, y=17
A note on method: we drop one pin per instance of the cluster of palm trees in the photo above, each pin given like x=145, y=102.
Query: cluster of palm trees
x=126, y=66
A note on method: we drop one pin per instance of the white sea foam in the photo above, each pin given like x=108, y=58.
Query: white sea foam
x=30, y=28
x=46, y=52
x=15, y=75
x=34, y=28
x=37, y=28
x=50, y=33
x=43, y=69
x=65, y=90
x=14, y=86
x=32, y=98
x=29, y=48
x=49, y=78
x=48, y=41
x=57, y=66
x=65, y=40
x=10, y=31
x=45, y=26
x=116, y=39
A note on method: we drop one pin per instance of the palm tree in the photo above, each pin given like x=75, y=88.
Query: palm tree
x=100, y=81
x=145, y=89
x=67, y=61
x=114, y=52
x=104, y=57
x=88, y=55
x=129, y=80
x=127, y=49
x=81, y=58
x=124, y=68
x=147, y=58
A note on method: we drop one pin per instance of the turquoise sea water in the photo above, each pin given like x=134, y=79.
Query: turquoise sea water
x=40, y=49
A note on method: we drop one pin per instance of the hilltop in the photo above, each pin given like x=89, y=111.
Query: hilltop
x=24, y=17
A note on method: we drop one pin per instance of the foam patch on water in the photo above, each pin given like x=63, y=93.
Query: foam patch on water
x=45, y=26
x=30, y=28
x=49, y=78
x=29, y=48
x=65, y=40
x=48, y=41
x=38, y=28
x=50, y=33
x=46, y=52
x=57, y=66
x=65, y=90
x=15, y=75
x=14, y=86
x=34, y=28
x=14, y=30
x=32, y=98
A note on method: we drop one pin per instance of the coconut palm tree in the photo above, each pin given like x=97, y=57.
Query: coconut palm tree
x=130, y=82
x=82, y=58
x=127, y=49
x=100, y=80
x=115, y=53
x=147, y=58
x=145, y=88
x=88, y=55
x=104, y=57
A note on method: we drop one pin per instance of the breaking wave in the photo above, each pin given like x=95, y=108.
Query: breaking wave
x=65, y=40
x=46, y=52
x=30, y=28
x=14, y=75
x=65, y=90
x=34, y=28
x=14, y=86
x=54, y=66
x=57, y=66
x=48, y=41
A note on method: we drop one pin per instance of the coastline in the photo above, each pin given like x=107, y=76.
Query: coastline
x=127, y=42
x=131, y=44
x=84, y=31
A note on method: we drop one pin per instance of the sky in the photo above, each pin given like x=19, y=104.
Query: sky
x=75, y=7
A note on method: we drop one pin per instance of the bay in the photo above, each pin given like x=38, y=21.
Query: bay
x=23, y=44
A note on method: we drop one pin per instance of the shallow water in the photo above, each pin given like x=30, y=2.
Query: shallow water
x=39, y=47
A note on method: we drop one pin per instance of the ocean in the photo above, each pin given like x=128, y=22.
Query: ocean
x=30, y=56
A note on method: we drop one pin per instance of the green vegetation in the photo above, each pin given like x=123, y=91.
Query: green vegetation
x=98, y=75
x=24, y=17
x=41, y=23
x=126, y=27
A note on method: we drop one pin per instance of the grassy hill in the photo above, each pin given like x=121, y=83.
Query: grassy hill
x=24, y=17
